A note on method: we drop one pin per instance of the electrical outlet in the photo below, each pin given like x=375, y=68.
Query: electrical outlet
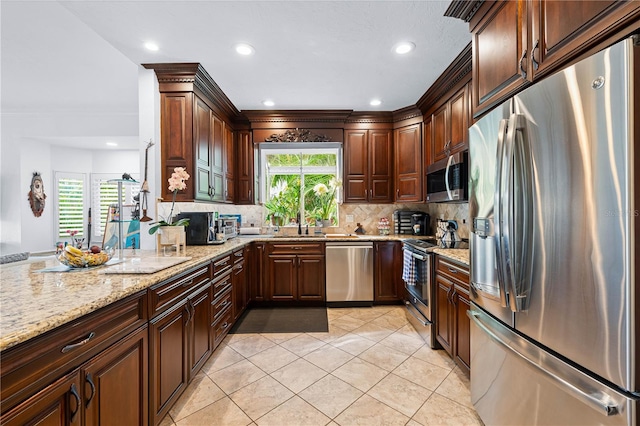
x=349, y=218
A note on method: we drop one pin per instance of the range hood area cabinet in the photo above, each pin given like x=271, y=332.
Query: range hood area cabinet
x=196, y=133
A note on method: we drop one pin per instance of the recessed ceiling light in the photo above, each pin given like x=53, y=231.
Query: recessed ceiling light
x=151, y=46
x=404, y=47
x=375, y=102
x=112, y=144
x=268, y=103
x=244, y=49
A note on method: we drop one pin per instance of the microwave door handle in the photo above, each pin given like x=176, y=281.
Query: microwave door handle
x=498, y=214
x=446, y=178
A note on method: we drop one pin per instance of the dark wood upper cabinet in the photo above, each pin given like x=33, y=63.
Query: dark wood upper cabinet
x=368, y=166
x=408, y=163
x=500, y=53
x=449, y=126
x=517, y=42
x=245, y=176
x=196, y=132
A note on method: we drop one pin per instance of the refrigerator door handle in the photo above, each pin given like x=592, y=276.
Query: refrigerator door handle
x=499, y=218
x=517, y=199
x=605, y=405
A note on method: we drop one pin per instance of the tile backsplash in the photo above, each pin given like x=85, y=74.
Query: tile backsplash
x=367, y=215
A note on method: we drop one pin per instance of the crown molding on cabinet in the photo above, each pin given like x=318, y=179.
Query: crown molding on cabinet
x=463, y=9
x=455, y=76
x=174, y=77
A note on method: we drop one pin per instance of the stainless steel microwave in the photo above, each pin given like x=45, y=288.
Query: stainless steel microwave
x=447, y=179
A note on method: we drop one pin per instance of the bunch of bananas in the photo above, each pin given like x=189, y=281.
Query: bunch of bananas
x=77, y=258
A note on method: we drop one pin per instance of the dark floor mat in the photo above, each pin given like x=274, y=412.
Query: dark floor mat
x=282, y=320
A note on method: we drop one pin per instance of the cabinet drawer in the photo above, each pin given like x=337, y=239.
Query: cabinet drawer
x=220, y=265
x=454, y=271
x=221, y=303
x=31, y=366
x=164, y=295
x=296, y=248
x=221, y=284
x=221, y=326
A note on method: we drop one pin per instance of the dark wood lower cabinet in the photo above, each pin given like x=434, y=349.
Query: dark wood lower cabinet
x=116, y=382
x=453, y=328
x=199, y=329
x=387, y=277
x=168, y=374
x=296, y=272
x=58, y=404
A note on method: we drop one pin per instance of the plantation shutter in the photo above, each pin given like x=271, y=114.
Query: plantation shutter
x=70, y=191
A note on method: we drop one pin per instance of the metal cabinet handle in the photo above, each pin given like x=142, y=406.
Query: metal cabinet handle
x=225, y=325
x=249, y=195
x=76, y=396
x=238, y=254
x=397, y=193
x=297, y=248
x=523, y=72
x=82, y=342
x=453, y=271
x=89, y=380
x=535, y=63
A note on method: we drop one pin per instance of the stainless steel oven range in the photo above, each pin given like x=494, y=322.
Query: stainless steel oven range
x=419, y=298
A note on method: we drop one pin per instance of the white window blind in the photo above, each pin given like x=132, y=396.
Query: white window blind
x=70, y=192
x=105, y=194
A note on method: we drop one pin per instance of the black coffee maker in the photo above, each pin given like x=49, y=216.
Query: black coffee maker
x=420, y=223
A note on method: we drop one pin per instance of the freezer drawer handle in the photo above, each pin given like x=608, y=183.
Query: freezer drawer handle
x=595, y=403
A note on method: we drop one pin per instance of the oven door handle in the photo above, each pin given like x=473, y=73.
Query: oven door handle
x=411, y=308
x=417, y=256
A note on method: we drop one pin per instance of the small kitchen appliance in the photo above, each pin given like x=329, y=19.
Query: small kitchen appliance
x=404, y=222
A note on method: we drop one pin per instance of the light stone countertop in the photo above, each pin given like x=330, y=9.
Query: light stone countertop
x=460, y=255
x=32, y=303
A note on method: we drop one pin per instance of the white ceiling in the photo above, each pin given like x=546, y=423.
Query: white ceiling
x=73, y=65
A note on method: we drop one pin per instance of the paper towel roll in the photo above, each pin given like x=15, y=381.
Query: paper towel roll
x=252, y=230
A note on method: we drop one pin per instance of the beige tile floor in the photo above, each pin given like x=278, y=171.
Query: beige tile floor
x=371, y=368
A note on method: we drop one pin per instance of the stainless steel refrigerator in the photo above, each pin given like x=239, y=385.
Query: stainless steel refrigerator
x=554, y=198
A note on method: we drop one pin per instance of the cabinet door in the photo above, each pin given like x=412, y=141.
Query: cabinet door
x=311, y=278
x=229, y=169
x=559, y=29
x=440, y=133
x=258, y=272
x=356, y=173
x=380, y=166
x=458, y=123
x=116, y=383
x=217, y=160
x=168, y=372
x=177, y=138
x=388, y=271
x=500, y=61
x=443, y=315
x=463, y=330
x=239, y=289
x=200, y=331
x=202, y=147
x=58, y=404
x=408, y=164
x=245, y=168
x=283, y=277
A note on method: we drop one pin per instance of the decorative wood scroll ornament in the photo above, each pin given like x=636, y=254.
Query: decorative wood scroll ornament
x=297, y=135
x=36, y=195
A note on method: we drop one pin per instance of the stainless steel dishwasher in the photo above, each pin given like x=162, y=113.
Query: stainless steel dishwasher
x=349, y=266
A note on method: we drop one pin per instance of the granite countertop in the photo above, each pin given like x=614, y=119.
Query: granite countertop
x=460, y=255
x=34, y=302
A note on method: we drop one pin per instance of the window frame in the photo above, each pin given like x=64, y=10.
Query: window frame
x=304, y=148
x=57, y=176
